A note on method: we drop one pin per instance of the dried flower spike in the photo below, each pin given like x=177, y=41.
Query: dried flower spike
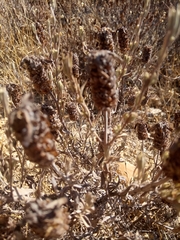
x=171, y=162
x=106, y=39
x=14, y=92
x=37, y=68
x=31, y=128
x=71, y=109
x=131, y=100
x=103, y=79
x=75, y=67
x=177, y=120
x=40, y=32
x=142, y=130
x=123, y=39
x=146, y=53
x=53, y=119
x=49, y=219
x=161, y=136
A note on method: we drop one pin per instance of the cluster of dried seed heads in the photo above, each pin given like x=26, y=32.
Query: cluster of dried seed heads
x=31, y=128
x=142, y=130
x=105, y=38
x=161, y=136
x=171, y=162
x=102, y=79
x=72, y=111
x=37, y=68
x=49, y=219
x=75, y=68
x=14, y=92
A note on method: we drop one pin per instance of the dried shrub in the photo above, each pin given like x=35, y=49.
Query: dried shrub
x=31, y=128
x=102, y=79
x=126, y=206
x=48, y=218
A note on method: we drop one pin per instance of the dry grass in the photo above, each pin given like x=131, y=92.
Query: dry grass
x=74, y=164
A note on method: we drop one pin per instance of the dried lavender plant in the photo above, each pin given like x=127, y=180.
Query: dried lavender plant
x=121, y=209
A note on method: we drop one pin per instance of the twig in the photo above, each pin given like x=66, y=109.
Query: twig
x=148, y=187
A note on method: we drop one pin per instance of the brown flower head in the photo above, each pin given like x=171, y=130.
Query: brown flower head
x=31, y=128
x=103, y=79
